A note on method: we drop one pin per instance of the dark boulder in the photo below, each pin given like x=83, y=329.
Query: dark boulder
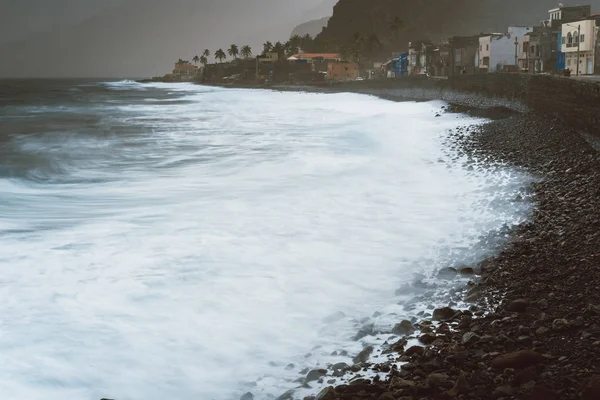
x=518, y=360
x=519, y=305
x=315, y=374
x=403, y=328
x=443, y=314
x=363, y=355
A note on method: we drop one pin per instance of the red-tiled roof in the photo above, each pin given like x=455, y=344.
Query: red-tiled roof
x=328, y=56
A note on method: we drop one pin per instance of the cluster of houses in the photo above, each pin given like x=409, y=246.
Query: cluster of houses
x=567, y=42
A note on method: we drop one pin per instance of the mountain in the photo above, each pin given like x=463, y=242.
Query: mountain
x=431, y=19
x=137, y=38
x=312, y=28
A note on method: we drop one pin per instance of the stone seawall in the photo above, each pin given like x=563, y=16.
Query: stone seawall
x=575, y=102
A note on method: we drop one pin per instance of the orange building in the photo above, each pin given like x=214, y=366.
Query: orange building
x=342, y=71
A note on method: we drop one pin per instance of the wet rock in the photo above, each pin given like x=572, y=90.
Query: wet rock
x=399, y=383
x=439, y=380
x=460, y=387
x=524, y=376
x=247, y=396
x=387, y=396
x=470, y=338
x=502, y=391
x=403, y=328
x=289, y=367
x=414, y=350
x=315, y=375
x=447, y=273
x=465, y=322
x=560, y=324
x=542, y=393
x=289, y=395
x=363, y=355
x=591, y=389
x=443, y=314
x=541, y=331
x=467, y=271
x=427, y=338
x=326, y=394
x=366, y=330
x=518, y=360
x=519, y=306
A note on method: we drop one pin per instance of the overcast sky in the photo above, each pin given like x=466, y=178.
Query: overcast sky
x=136, y=38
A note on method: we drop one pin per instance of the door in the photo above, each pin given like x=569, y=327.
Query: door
x=590, y=66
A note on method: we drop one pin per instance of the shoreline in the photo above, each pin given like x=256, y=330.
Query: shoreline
x=533, y=329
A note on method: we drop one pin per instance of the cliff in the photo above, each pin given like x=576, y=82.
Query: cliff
x=312, y=28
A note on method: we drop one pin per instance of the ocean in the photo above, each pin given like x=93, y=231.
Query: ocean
x=176, y=241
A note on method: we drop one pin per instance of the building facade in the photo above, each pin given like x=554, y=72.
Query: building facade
x=342, y=71
x=464, y=54
x=499, y=51
x=579, y=45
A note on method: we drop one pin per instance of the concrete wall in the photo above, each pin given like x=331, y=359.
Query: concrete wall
x=574, y=102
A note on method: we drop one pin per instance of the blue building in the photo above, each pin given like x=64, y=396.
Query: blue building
x=400, y=65
x=560, y=56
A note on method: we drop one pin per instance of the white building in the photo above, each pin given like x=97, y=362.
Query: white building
x=498, y=50
x=580, y=36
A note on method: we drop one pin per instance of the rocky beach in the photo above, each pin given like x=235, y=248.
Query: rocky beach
x=530, y=328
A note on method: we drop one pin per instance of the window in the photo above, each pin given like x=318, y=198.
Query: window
x=569, y=38
x=480, y=47
x=581, y=38
x=569, y=62
x=564, y=40
x=487, y=47
x=524, y=47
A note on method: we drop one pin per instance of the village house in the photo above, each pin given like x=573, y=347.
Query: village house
x=319, y=61
x=498, y=51
x=419, y=57
x=342, y=71
x=184, y=71
x=557, y=17
x=579, y=45
x=463, y=54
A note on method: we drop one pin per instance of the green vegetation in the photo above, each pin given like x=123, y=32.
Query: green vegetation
x=246, y=52
x=220, y=55
x=233, y=51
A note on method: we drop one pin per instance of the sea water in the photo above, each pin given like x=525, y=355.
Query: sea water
x=175, y=241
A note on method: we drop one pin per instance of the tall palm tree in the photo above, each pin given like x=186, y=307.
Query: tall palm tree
x=306, y=43
x=296, y=41
x=246, y=51
x=396, y=25
x=279, y=48
x=206, y=53
x=267, y=47
x=220, y=55
x=203, y=60
x=233, y=51
x=195, y=60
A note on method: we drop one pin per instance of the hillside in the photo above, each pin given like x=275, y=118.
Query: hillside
x=312, y=28
x=431, y=19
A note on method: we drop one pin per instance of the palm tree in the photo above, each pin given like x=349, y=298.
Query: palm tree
x=306, y=43
x=246, y=51
x=233, y=51
x=296, y=41
x=290, y=49
x=396, y=25
x=203, y=60
x=195, y=60
x=206, y=53
x=220, y=55
x=267, y=47
x=279, y=48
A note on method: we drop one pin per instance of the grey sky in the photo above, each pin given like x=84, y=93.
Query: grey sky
x=131, y=38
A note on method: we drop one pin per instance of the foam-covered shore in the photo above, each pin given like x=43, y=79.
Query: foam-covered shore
x=532, y=330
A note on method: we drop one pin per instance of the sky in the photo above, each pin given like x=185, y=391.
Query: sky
x=136, y=38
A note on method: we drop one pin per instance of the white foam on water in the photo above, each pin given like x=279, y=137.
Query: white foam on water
x=200, y=255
